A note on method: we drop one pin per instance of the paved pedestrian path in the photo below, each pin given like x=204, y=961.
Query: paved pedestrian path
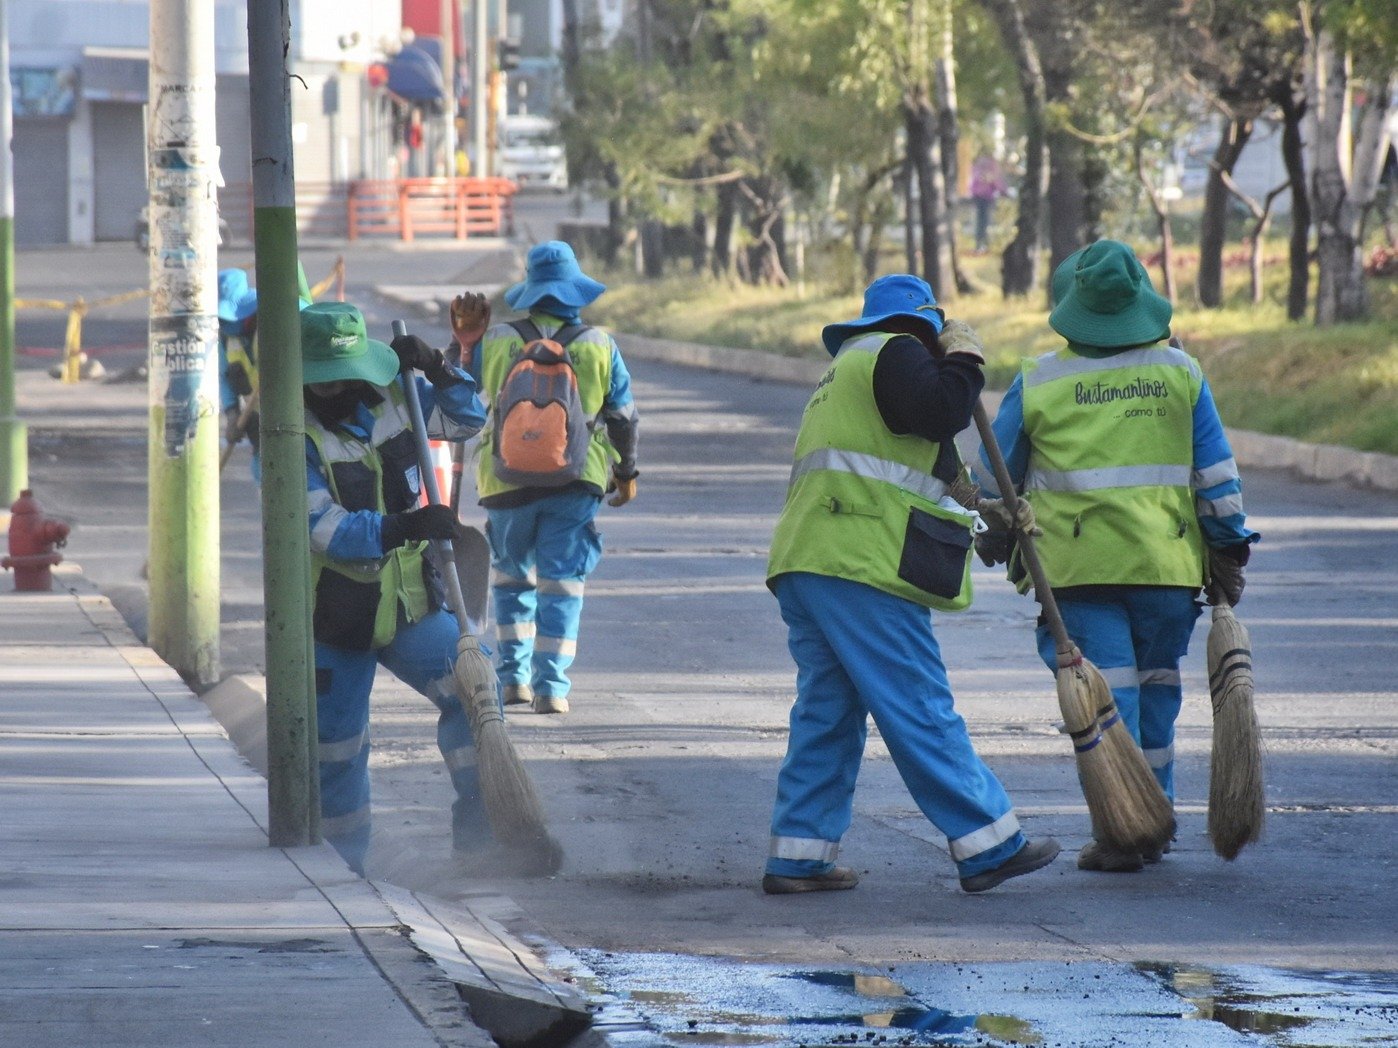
x=140, y=903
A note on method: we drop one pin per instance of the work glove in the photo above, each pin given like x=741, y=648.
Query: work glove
x=957, y=339
x=624, y=488
x=1226, y=572
x=996, y=543
x=413, y=352
x=470, y=316
x=425, y=522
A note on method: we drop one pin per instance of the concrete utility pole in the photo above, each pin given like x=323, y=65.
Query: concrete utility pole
x=448, y=11
x=14, y=440
x=293, y=796
x=480, y=66
x=184, y=435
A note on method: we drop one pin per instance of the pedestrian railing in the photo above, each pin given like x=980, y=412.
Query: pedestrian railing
x=400, y=208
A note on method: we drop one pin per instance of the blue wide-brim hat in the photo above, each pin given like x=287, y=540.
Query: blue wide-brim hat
x=1111, y=301
x=552, y=271
x=247, y=305
x=232, y=285
x=898, y=295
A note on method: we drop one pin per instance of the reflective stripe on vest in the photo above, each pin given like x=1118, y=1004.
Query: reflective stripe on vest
x=1110, y=471
x=592, y=363
x=855, y=486
x=397, y=577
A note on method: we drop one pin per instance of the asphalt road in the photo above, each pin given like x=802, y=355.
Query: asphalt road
x=660, y=781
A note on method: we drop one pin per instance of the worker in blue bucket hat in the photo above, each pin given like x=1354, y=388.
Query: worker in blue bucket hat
x=540, y=515
x=871, y=537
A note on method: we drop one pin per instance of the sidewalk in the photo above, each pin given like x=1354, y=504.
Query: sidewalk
x=140, y=903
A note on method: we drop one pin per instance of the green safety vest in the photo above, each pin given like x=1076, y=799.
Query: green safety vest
x=1110, y=466
x=592, y=363
x=862, y=502
x=357, y=601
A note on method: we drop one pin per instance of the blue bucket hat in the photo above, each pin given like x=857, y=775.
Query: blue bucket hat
x=898, y=295
x=247, y=305
x=232, y=285
x=552, y=271
x=1111, y=301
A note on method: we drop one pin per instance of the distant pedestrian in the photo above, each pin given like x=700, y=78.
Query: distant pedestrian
x=540, y=515
x=870, y=538
x=987, y=186
x=378, y=601
x=1116, y=443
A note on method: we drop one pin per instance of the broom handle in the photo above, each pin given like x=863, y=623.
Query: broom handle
x=1026, y=541
x=441, y=548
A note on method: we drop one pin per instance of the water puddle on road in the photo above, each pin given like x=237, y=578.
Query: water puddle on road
x=656, y=999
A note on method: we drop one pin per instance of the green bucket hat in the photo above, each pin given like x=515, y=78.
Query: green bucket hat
x=334, y=347
x=1111, y=301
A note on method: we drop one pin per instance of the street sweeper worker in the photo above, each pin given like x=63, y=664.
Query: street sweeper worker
x=869, y=539
x=540, y=508
x=377, y=599
x=1115, y=441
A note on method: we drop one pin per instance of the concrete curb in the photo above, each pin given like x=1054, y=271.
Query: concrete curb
x=1321, y=462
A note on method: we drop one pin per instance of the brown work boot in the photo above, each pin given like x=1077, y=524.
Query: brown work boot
x=838, y=879
x=1033, y=856
x=518, y=695
x=1102, y=858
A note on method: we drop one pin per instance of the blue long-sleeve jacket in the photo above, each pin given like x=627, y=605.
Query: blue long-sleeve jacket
x=1218, y=490
x=453, y=413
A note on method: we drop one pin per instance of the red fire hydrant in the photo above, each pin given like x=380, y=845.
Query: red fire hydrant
x=33, y=539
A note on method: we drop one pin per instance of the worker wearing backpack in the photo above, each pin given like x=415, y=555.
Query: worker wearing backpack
x=562, y=433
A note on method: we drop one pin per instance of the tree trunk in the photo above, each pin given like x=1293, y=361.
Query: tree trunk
x=912, y=259
x=1213, y=224
x=1020, y=261
x=1340, y=292
x=724, y=224
x=652, y=234
x=1067, y=197
x=1162, y=223
x=766, y=254
x=949, y=135
x=924, y=150
x=1293, y=156
x=616, y=217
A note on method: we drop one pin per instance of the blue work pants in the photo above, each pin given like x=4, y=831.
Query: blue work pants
x=1136, y=635
x=861, y=652
x=541, y=554
x=421, y=655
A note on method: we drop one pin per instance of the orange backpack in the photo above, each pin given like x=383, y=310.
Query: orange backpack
x=541, y=432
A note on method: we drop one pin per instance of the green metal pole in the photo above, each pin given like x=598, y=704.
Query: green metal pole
x=14, y=441
x=184, y=433
x=292, y=796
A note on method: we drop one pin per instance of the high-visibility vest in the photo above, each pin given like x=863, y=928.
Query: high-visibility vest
x=862, y=502
x=357, y=601
x=1111, y=464
x=592, y=362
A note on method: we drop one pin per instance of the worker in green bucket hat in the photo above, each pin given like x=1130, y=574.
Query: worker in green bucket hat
x=377, y=598
x=1115, y=441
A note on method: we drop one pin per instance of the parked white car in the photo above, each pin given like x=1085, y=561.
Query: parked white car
x=531, y=152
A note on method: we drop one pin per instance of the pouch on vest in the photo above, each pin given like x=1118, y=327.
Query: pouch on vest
x=936, y=558
x=541, y=432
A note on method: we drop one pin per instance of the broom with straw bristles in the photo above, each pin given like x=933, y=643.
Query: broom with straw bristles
x=1236, y=806
x=1129, y=810
x=511, y=802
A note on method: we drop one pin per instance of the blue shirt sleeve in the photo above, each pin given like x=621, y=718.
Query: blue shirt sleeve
x=619, y=392
x=1014, y=444
x=1218, y=489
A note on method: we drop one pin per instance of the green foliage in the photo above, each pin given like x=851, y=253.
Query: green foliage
x=1330, y=385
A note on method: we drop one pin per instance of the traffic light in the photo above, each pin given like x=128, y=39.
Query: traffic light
x=507, y=57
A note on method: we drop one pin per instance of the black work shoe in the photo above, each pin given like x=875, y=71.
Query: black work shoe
x=837, y=880
x=1101, y=858
x=1033, y=856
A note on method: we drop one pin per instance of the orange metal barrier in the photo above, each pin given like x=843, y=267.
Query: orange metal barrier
x=403, y=208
